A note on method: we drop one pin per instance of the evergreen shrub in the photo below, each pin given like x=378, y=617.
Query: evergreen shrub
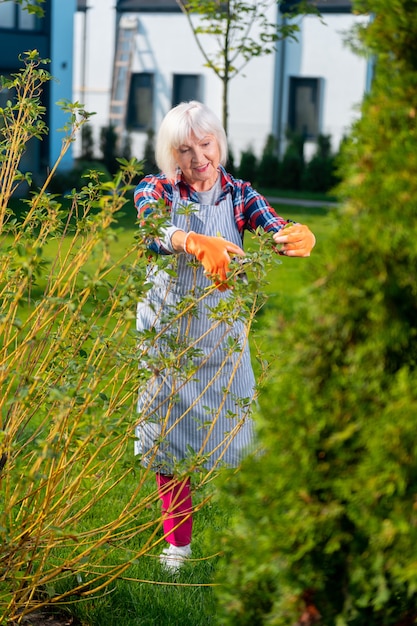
x=248, y=167
x=149, y=164
x=292, y=165
x=320, y=172
x=230, y=165
x=87, y=143
x=269, y=166
x=109, y=147
x=327, y=527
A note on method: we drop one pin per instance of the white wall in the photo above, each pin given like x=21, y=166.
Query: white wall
x=93, y=63
x=251, y=105
x=164, y=44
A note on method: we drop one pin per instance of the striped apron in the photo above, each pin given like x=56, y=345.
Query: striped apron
x=195, y=409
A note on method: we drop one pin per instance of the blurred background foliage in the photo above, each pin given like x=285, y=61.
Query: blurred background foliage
x=326, y=530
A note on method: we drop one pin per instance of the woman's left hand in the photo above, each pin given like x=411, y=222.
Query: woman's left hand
x=296, y=240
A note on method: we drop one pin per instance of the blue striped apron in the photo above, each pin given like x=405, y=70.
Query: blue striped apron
x=195, y=410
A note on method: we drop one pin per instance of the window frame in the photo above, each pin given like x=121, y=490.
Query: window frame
x=176, y=98
x=295, y=83
x=133, y=121
x=18, y=14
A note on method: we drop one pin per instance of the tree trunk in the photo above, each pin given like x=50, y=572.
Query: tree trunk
x=225, y=112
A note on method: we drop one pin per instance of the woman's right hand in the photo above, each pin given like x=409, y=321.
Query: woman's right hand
x=214, y=255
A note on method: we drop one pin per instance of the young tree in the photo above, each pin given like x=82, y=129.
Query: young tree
x=241, y=31
x=327, y=521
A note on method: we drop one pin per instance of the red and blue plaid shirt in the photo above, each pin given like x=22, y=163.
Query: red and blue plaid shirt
x=251, y=209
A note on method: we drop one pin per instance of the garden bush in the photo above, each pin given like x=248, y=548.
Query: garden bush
x=327, y=527
x=68, y=374
x=320, y=172
x=292, y=165
x=72, y=365
x=149, y=164
x=269, y=166
x=248, y=167
x=87, y=143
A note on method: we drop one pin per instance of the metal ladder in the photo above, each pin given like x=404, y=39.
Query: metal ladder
x=121, y=71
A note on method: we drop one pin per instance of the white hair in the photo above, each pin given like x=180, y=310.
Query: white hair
x=177, y=127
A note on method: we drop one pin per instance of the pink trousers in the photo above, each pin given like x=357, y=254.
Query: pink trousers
x=177, y=509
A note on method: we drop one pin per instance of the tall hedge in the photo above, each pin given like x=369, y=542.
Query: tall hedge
x=326, y=524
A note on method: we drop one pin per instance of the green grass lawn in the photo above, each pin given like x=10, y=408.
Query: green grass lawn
x=146, y=596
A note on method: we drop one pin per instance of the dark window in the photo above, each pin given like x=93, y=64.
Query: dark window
x=148, y=6
x=185, y=87
x=303, y=112
x=5, y=95
x=324, y=6
x=140, y=104
x=82, y=5
x=15, y=17
x=30, y=160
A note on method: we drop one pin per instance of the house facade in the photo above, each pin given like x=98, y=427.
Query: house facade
x=130, y=61
x=139, y=58
x=52, y=36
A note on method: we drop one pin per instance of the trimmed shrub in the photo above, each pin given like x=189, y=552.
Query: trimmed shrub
x=292, y=166
x=108, y=147
x=269, y=166
x=230, y=165
x=320, y=172
x=327, y=528
x=87, y=143
x=149, y=164
x=248, y=168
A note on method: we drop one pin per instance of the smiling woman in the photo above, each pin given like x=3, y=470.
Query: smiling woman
x=196, y=413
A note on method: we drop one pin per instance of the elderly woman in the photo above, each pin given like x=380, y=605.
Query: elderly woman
x=211, y=411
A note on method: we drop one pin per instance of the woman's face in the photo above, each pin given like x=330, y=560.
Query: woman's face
x=198, y=159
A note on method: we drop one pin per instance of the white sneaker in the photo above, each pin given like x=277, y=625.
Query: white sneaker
x=173, y=557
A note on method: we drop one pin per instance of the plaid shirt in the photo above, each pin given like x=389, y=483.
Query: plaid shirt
x=251, y=209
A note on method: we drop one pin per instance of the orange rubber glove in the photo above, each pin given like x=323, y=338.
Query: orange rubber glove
x=297, y=240
x=213, y=253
